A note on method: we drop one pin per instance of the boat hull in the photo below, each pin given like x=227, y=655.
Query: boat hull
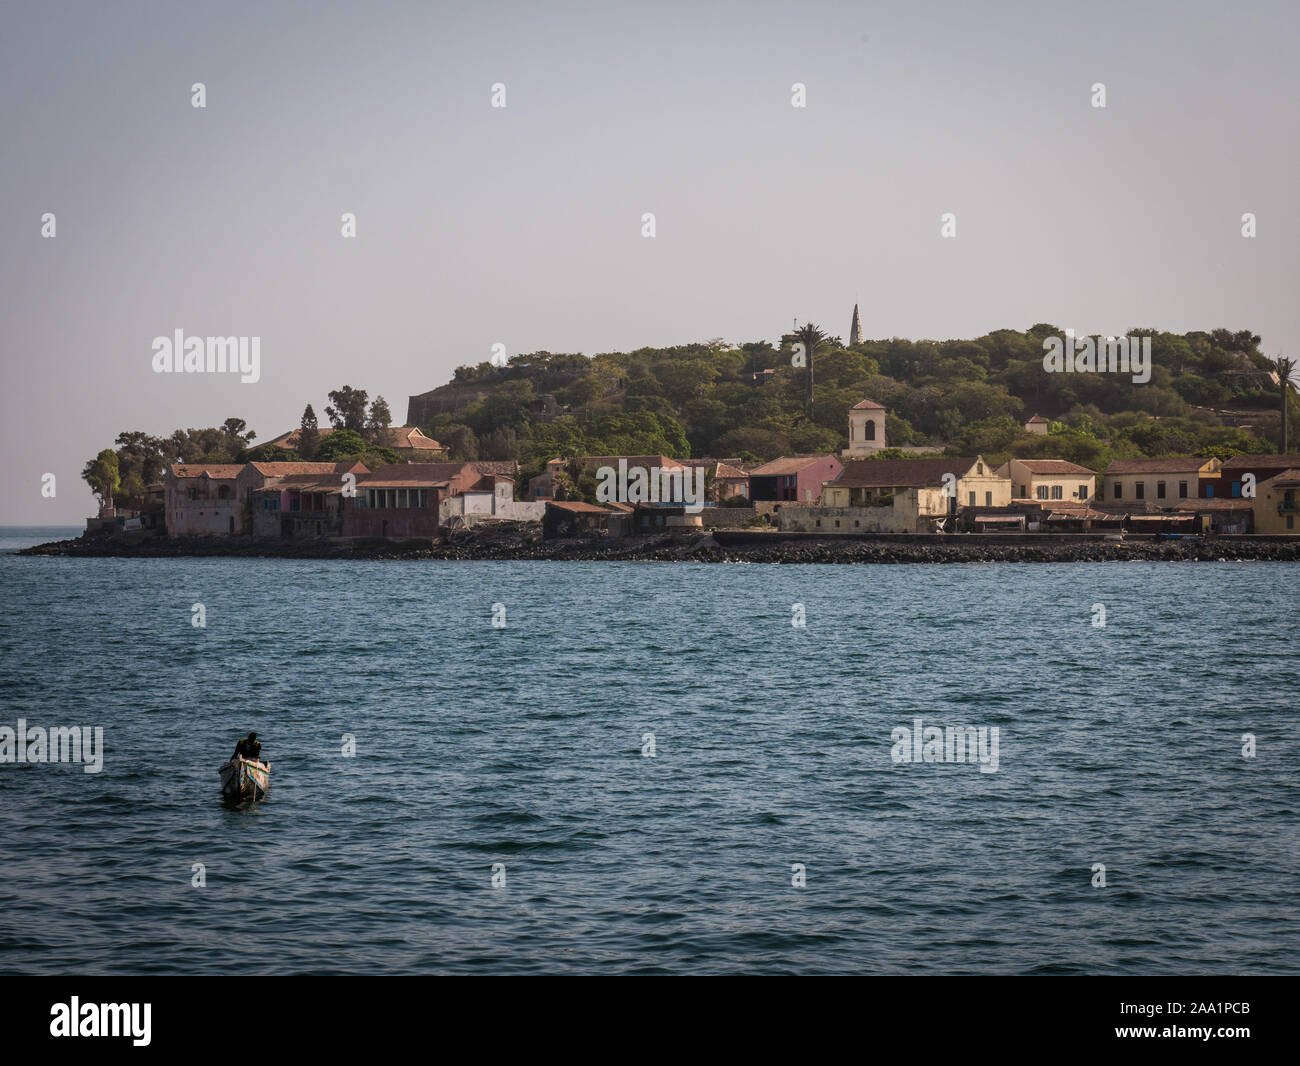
x=243, y=779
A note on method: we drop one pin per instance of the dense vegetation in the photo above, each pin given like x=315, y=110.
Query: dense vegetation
x=964, y=396
x=752, y=402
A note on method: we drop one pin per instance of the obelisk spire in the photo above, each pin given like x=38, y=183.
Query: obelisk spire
x=855, y=330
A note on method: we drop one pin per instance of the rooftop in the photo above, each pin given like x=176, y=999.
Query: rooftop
x=1053, y=466
x=901, y=473
x=216, y=471
x=786, y=464
x=1176, y=464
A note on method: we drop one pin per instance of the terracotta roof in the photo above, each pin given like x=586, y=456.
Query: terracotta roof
x=577, y=506
x=867, y=405
x=218, y=471
x=407, y=437
x=1036, y=418
x=417, y=473
x=308, y=482
x=728, y=472
x=1053, y=466
x=903, y=473
x=286, y=469
x=1177, y=464
x=1285, y=479
x=787, y=464
x=1245, y=462
x=393, y=437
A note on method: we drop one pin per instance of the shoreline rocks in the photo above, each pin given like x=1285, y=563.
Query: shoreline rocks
x=523, y=542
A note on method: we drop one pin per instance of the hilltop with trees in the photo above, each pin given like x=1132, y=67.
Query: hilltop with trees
x=1210, y=393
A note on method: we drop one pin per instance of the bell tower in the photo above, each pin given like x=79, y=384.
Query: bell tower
x=866, y=430
x=855, y=330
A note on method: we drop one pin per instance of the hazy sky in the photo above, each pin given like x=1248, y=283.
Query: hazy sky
x=522, y=225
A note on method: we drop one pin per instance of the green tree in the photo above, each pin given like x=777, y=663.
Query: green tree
x=810, y=336
x=378, y=420
x=341, y=444
x=1284, y=367
x=347, y=409
x=308, y=434
x=101, y=474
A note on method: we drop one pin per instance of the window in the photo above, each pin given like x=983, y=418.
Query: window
x=1140, y=490
x=988, y=499
x=1083, y=492
x=1160, y=490
x=972, y=498
x=1182, y=490
x=1119, y=491
x=1236, y=489
x=1022, y=490
x=1042, y=492
x=1290, y=521
x=979, y=469
x=871, y=430
x=1058, y=492
x=1209, y=492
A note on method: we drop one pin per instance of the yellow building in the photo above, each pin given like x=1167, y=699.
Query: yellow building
x=1159, y=482
x=1049, y=479
x=1277, y=504
x=920, y=491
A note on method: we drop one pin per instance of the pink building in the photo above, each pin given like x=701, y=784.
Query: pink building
x=793, y=479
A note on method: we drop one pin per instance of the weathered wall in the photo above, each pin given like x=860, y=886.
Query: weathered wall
x=844, y=520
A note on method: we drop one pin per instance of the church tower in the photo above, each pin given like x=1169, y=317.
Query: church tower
x=855, y=330
x=866, y=430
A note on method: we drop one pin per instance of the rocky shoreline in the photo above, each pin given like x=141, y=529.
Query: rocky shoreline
x=518, y=542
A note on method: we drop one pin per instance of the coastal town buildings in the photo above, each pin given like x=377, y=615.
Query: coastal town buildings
x=901, y=496
x=490, y=498
x=1232, y=481
x=561, y=474
x=1276, y=505
x=398, y=501
x=793, y=479
x=1169, y=479
x=299, y=505
x=1049, y=479
x=573, y=518
x=724, y=479
x=201, y=498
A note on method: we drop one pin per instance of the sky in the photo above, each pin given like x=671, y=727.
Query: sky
x=522, y=225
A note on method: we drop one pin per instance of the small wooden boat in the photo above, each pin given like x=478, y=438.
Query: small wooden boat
x=243, y=779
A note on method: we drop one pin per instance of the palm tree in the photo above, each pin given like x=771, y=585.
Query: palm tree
x=811, y=336
x=1284, y=368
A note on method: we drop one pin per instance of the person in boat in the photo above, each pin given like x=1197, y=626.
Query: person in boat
x=249, y=748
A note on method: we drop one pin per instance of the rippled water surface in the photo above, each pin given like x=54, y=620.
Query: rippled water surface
x=523, y=746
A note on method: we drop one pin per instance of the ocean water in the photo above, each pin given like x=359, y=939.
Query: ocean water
x=523, y=745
